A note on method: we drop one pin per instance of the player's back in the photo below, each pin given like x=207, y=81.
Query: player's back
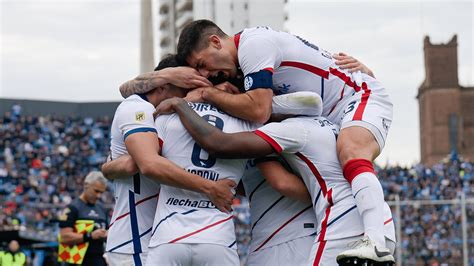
x=275, y=218
x=135, y=196
x=310, y=149
x=296, y=64
x=185, y=216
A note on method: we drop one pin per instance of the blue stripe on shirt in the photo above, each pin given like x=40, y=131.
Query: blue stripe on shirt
x=139, y=130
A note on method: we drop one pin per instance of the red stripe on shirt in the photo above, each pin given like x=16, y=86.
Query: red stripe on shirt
x=388, y=221
x=200, y=230
x=237, y=40
x=137, y=203
x=315, y=70
x=281, y=227
x=268, y=69
x=322, y=235
x=315, y=172
x=360, y=109
x=270, y=141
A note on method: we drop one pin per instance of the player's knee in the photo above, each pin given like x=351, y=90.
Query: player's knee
x=351, y=145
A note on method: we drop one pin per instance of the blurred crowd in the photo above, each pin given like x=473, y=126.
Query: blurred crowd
x=43, y=160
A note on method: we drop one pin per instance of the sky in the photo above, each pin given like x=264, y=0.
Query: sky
x=82, y=50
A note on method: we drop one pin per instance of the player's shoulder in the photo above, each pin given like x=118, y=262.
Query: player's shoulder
x=134, y=104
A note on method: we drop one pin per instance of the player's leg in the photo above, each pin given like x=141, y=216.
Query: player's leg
x=362, y=137
x=170, y=255
x=214, y=255
x=294, y=252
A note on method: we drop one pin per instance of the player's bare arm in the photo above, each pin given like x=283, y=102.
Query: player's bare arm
x=283, y=181
x=183, y=77
x=144, y=149
x=122, y=167
x=254, y=105
x=213, y=140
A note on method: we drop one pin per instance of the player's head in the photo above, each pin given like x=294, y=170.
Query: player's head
x=13, y=246
x=169, y=90
x=205, y=47
x=94, y=185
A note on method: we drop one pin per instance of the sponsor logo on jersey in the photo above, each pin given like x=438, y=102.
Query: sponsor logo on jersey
x=248, y=82
x=139, y=116
x=207, y=204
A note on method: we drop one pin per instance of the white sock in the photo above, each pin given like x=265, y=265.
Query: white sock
x=368, y=194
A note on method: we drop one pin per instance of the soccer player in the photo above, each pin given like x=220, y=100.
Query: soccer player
x=280, y=63
x=308, y=144
x=133, y=132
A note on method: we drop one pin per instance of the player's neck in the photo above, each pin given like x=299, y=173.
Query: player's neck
x=154, y=97
x=229, y=44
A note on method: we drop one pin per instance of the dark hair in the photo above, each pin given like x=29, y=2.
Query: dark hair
x=194, y=37
x=168, y=60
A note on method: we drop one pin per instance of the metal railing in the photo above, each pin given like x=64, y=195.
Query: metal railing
x=462, y=202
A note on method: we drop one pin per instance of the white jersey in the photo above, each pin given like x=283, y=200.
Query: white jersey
x=275, y=218
x=310, y=149
x=135, y=197
x=287, y=63
x=184, y=216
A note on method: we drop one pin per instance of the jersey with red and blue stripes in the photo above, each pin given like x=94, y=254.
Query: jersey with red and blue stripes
x=287, y=63
x=184, y=216
x=136, y=196
x=275, y=218
x=310, y=149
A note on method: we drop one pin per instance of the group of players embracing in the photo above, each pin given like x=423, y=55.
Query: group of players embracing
x=264, y=113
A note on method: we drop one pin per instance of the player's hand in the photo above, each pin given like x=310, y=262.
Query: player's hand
x=167, y=106
x=348, y=62
x=186, y=78
x=227, y=87
x=99, y=234
x=222, y=193
x=195, y=96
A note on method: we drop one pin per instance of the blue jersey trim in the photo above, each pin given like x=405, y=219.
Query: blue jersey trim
x=322, y=88
x=170, y=215
x=251, y=194
x=233, y=243
x=137, y=260
x=139, y=130
x=342, y=214
x=317, y=197
x=137, y=247
x=136, y=183
x=129, y=241
x=143, y=96
x=260, y=79
x=268, y=209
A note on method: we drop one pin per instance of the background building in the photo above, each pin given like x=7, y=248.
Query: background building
x=446, y=108
x=231, y=15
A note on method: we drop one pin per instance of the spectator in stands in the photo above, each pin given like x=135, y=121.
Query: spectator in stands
x=84, y=222
x=13, y=256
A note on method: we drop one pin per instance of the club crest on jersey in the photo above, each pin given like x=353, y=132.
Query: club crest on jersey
x=139, y=116
x=248, y=82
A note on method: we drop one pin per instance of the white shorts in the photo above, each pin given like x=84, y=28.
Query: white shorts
x=370, y=108
x=324, y=253
x=192, y=254
x=294, y=252
x=121, y=259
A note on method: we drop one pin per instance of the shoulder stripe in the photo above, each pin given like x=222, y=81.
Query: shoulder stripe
x=270, y=141
x=139, y=130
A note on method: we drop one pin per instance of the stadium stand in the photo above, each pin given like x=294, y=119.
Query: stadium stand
x=43, y=159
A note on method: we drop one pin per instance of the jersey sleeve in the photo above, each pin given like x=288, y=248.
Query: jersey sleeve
x=258, y=57
x=68, y=217
x=135, y=117
x=288, y=136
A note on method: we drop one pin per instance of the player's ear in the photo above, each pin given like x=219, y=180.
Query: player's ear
x=215, y=41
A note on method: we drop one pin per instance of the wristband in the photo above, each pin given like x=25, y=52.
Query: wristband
x=87, y=237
